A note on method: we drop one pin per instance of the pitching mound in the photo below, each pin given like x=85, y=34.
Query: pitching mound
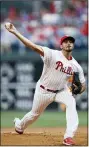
x=42, y=136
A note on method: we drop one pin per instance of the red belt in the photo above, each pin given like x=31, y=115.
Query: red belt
x=54, y=91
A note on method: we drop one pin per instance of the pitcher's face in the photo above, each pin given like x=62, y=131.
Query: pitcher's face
x=67, y=45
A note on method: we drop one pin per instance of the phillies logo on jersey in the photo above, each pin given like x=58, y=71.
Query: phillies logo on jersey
x=67, y=70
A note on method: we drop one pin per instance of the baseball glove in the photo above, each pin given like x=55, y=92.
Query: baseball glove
x=76, y=85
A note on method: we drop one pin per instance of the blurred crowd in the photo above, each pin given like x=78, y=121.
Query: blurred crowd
x=46, y=25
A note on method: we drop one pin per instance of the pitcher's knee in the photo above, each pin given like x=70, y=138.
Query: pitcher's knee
x=71, y=103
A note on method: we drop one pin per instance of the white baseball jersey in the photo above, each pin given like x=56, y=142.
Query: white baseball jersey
x=57, y=68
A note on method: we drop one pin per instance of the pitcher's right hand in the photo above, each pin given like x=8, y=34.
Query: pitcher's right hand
x=10, y=27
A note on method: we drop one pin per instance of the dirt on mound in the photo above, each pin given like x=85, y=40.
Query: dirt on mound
x=42, y=136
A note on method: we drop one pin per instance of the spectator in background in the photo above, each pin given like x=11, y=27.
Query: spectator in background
x=80, y=6
x=56, y=6
x=84, y=29
x=12, y=14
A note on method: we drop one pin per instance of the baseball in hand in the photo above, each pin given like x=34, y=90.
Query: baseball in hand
x=10, y=27
x=7, y=25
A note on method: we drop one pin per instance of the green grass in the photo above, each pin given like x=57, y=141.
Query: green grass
x=47, y=119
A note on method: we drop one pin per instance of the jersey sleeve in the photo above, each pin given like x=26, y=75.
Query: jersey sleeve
x=47, y=54
x=81, y=74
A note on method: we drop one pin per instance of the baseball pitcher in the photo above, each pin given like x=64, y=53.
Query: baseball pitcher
x=52, y=85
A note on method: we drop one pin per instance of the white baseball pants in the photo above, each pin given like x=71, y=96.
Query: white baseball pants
x=42, y=99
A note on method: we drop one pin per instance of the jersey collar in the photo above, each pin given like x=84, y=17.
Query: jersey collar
x=70, y=58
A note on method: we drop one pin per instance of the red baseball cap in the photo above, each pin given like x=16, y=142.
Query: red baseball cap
x=66, y=37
